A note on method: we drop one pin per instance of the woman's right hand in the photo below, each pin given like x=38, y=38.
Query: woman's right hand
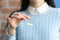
x=16, y=18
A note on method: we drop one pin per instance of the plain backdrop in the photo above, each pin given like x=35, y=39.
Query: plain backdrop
x=57, y=3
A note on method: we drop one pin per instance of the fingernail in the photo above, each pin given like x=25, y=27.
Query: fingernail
x=28, y=17
x=8, y=18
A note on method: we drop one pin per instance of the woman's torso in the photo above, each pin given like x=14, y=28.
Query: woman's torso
x=39, y=27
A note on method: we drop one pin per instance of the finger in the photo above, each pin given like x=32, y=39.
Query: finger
x=19, y=17
x=26, y=16
x=22, y=16
x=13, y=16
x=19, y=14
x=9, y=20
x=16, y=14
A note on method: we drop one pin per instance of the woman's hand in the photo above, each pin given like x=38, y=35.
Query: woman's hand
x=14, y=20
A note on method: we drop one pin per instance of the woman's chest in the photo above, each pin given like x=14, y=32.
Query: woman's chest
x=41, y=28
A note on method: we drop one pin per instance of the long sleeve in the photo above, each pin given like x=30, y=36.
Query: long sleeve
x=8, y=37
x=15, y=36
x=39, y=27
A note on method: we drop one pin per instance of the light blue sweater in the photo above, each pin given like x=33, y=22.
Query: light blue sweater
x=38, y=27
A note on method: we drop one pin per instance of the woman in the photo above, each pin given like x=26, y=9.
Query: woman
x=37, y=20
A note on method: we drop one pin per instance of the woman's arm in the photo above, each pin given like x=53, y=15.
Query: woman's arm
x=8, y=36
x=14, y=20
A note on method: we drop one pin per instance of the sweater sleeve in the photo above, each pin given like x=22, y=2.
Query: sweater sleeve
x=8, y=37
x=14, y=37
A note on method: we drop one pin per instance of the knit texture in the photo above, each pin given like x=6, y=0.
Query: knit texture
x=39, y=27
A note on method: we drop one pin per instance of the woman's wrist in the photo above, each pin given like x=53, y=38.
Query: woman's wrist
x=12, y=27
x=11, y=31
